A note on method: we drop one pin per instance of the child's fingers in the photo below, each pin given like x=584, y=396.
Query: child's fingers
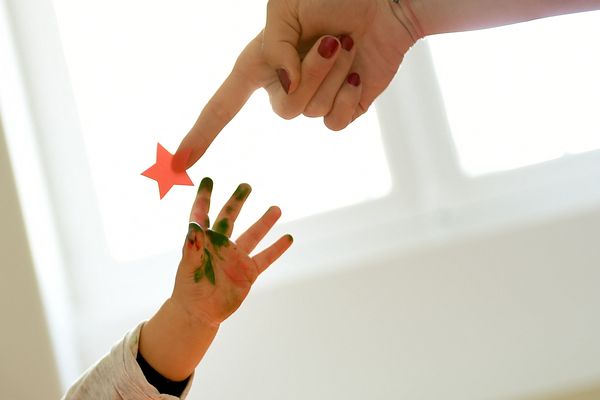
x=201, y=205
x=194, y=243
x=253, y=235
x=272, y=253
x=231, y=209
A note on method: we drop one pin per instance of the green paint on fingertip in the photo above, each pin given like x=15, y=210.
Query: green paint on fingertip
x=198, y=274
x=217, y=239
x=194, y=226
x=222, y=226
x=241, y=192
x=206, y=184
x=290, y=238
x=208, y=267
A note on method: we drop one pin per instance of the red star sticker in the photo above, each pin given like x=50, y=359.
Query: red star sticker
x=164, y=174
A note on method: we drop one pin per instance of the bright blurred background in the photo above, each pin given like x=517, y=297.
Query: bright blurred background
x=446, y=242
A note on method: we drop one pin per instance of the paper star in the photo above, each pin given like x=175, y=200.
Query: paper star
x=164, y=174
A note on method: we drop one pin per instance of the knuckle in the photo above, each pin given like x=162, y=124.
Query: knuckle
x=334, y=124
x=312, y=73
x=316, y=108
x=345, y=103
x=285, y=109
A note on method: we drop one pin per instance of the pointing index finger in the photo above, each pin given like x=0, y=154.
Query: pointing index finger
x=218, y=112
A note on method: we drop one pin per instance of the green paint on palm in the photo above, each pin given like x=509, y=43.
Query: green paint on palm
x=198, y=274
x=217, y=239
x=222, y=226
x=208, y=267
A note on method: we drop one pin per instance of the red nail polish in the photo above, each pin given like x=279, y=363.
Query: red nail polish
x=353, y=79
x=347, y=42
x=328, y=47
x=284, y=78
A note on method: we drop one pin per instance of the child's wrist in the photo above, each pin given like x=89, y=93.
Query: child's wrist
x=192, y=321
x=173, y=342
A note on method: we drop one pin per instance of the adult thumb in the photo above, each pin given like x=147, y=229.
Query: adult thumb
x=280, y=41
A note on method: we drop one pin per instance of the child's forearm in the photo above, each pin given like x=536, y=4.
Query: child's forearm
x=442, y=16
x=173, y=343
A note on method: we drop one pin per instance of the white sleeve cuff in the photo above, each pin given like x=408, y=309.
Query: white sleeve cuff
x=118, y=376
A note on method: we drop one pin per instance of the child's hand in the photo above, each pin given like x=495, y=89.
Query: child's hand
x=215, y=273
x=213, y=279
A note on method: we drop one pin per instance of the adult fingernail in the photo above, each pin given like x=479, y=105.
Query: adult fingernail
x=353, y=79
x=328, y=47
x=347, y=42
x=180, y=159
x=284, y=78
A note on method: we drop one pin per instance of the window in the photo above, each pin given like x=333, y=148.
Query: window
x=521, y=94
x=136, y=84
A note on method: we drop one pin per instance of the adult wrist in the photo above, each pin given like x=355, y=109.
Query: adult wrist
x=409, y=15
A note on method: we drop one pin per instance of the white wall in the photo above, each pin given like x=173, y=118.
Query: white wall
x=501, y=315
x=27, y=367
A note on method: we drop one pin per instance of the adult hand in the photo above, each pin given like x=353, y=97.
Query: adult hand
x=339, y=85
x=382, y=32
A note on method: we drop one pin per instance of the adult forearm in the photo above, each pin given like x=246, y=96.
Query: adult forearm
x=442, y=16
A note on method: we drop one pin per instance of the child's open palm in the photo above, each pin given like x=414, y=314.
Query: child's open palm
x=215, y=273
